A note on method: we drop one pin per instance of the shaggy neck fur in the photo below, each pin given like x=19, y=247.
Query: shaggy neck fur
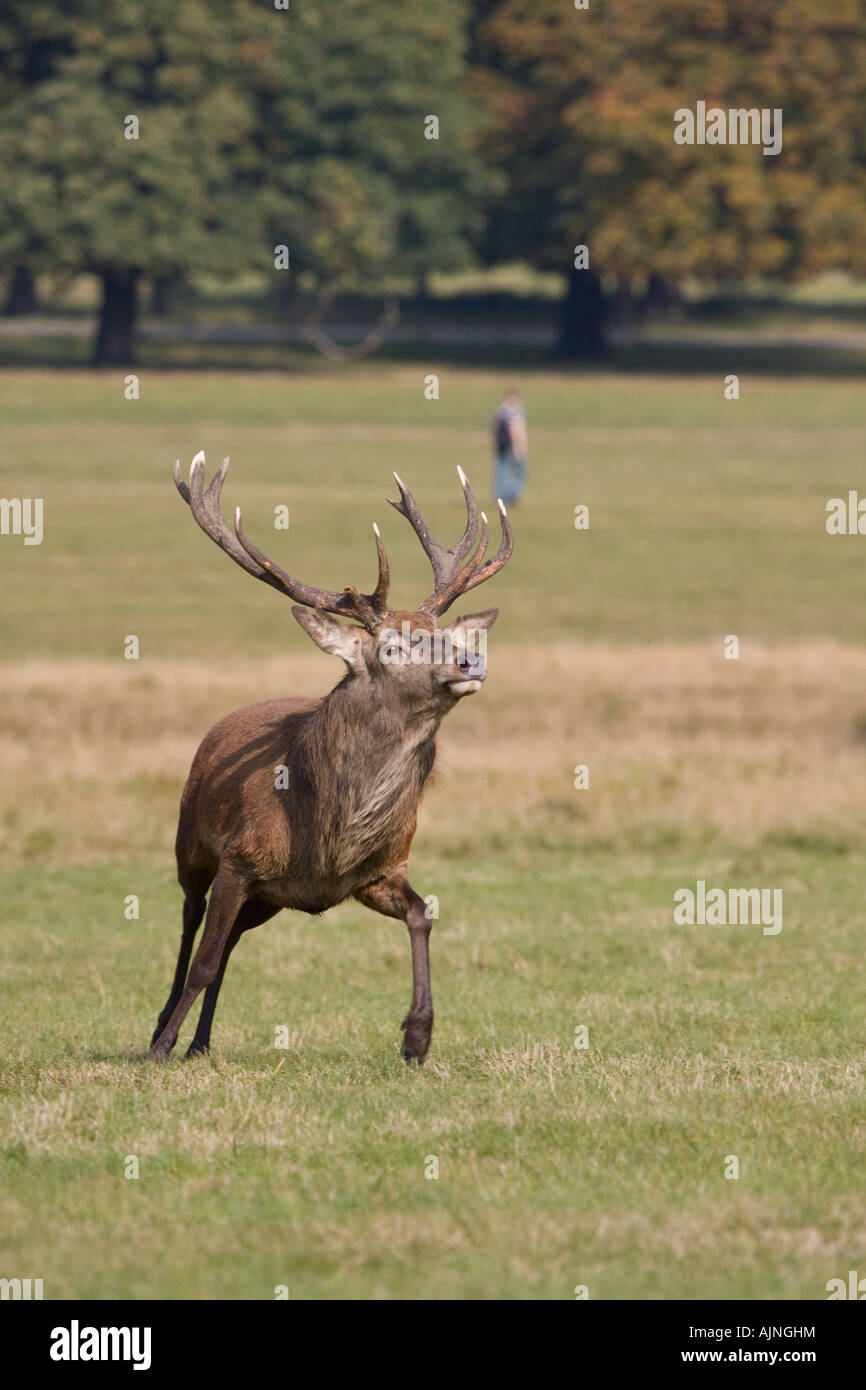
x=369, y=762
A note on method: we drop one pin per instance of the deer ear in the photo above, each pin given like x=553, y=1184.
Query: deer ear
x=472, y=621
x=333, y=637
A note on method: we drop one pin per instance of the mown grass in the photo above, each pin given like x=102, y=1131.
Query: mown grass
x=558, y=1166
x=306, y=1166
x=706, y=516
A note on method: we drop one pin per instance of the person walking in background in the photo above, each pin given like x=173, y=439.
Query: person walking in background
x=509, y=443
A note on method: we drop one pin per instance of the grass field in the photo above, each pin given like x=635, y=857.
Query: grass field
x=305, y=1166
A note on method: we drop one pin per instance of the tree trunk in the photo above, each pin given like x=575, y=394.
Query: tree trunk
x=662, y=299
x=162, y=293
x=114, y=341
x=21, y=294
x=581, y=324
x=287, y=294
x=625, y=304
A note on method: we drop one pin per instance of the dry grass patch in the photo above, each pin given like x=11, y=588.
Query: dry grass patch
x=679, y=742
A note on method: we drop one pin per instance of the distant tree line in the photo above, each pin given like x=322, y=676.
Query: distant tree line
x=148, y=143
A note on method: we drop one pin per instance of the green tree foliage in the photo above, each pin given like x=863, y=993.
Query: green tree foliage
x=256, y=127
x=348, y=178
x=31, y=39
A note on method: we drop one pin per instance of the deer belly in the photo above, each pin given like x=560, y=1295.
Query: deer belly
x=301, y=895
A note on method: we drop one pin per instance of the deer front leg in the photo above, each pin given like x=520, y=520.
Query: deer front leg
x=394, y=896
x=418, y=1023
x=193, y=911
x=252, y=914
x=227, y=897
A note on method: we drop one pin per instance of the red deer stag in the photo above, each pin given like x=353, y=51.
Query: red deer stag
x=302, y=803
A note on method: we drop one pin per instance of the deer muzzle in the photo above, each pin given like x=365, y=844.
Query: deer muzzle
x=472, y=674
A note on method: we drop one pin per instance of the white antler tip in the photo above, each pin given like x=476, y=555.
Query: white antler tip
x=484, y=516
x=375, y=529
x=398, y=480
x=501, y=506
x=198, y=461
x=237, y=517
x=462, y=476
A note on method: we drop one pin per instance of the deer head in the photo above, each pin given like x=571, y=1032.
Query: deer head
x=425, y=665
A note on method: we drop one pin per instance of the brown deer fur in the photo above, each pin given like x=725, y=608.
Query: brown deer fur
x=302, y=803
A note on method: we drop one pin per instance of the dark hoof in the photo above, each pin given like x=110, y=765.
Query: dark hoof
x=193, y=1051
x=416, y=1041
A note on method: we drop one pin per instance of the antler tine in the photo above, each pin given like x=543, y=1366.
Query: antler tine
x=350, y=603
x=408, y=507
x=205, y=507
x=453, y=573
x=496, y=562
x=206, y=511
x=440, y=602
x=467, y=540
x=179, y=482
x=446, y=561
x=328, y=599
x=379, y=595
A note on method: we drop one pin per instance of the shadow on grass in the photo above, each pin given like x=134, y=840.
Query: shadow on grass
x=668, y=358
x=117, y=1058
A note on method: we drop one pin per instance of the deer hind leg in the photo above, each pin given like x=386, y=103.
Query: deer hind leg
x=252, y=914
x=193, y=910
x=394, y=896
x=227, y=897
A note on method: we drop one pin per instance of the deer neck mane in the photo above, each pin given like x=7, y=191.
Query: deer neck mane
x=369, y=761
x=355, y=722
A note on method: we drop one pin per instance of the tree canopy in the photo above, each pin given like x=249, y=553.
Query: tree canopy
x=581, y=110
x=181, y=137
x=178, y=137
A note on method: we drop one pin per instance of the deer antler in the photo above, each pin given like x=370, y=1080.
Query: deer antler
x=453, y=573
x=368, y=609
